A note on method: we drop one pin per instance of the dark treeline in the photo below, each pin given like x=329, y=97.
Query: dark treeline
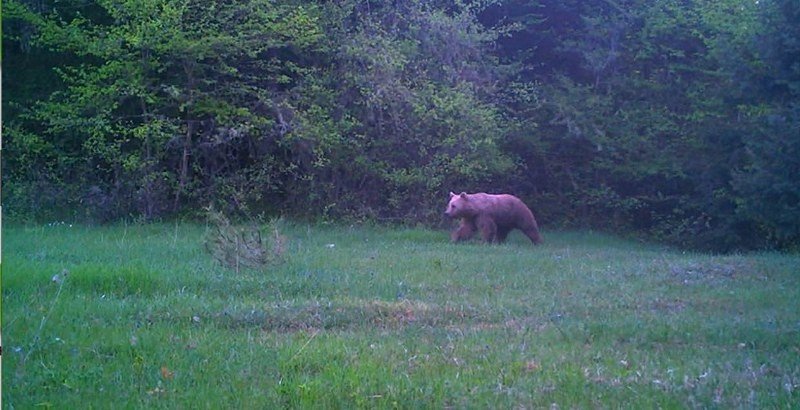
x=675, y=119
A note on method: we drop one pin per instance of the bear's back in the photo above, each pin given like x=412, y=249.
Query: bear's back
x=505, y=209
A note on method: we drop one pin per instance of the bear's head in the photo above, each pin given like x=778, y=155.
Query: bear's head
x=459, y=206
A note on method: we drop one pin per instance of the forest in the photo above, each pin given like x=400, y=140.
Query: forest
x=674, y=120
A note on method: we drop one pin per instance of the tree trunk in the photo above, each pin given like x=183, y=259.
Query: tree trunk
x=184, y=168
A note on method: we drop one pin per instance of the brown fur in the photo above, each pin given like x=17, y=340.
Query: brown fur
x=493, y=215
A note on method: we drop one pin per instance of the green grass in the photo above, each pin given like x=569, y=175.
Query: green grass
x=390, y=318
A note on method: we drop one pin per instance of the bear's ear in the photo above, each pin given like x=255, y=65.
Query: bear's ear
x=452, y=194
x=463, y=195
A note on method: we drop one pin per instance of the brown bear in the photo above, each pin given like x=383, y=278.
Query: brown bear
x=494, y=215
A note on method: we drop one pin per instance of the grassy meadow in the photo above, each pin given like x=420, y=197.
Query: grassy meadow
x=377, y=317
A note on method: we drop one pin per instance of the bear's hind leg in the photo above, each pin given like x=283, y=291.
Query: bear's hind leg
x=502, y=233
x=533, y=233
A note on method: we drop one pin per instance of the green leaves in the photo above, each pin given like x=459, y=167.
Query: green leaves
x=668, y=117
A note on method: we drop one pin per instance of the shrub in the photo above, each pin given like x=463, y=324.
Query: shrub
x=243, y=246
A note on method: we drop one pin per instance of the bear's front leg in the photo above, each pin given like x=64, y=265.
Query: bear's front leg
x=465, y=231
x=488, y=228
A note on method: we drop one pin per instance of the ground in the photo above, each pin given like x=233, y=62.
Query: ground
x=384, y=317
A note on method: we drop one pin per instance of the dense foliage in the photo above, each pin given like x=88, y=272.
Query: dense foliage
x=675, y=119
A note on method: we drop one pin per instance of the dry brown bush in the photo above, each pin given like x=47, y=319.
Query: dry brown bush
x=248, y=246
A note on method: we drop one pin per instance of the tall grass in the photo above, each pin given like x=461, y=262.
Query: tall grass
x=379, y=317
